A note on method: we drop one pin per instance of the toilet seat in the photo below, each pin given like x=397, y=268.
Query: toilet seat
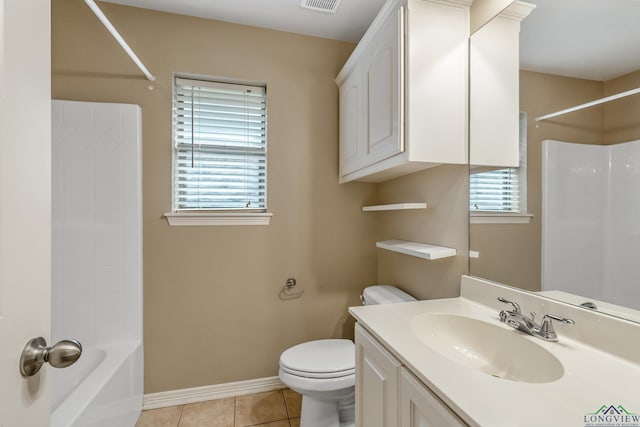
x=306, y=385
x=322, y=359
x=318, y=375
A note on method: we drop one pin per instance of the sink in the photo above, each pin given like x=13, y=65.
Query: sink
x=501, y=353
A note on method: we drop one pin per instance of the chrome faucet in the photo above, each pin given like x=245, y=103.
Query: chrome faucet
x=517, y=320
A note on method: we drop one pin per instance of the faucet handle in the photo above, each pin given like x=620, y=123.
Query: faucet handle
x=546, y=328
x=515, y=305
x=558, y=319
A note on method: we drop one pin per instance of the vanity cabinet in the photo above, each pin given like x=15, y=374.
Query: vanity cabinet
x=389, y=395
x=419, y=407
x=404, y=91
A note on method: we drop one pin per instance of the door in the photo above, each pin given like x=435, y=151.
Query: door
x=352, y=132
x=25, y=204
x=384, y=77
x=419, y=407
x=376, y=383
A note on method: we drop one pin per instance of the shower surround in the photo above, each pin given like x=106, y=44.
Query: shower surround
x=591, y=220
x=97, y=262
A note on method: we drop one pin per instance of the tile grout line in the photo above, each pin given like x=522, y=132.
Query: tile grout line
x=286, y=407
x=180, y=417
x=235, y=409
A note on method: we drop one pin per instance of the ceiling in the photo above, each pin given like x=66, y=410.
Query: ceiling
x=349, y=23
x=591, y=39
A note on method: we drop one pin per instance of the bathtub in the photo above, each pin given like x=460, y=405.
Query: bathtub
x=102, y=389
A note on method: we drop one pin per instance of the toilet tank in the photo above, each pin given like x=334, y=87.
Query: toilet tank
x=384, y=294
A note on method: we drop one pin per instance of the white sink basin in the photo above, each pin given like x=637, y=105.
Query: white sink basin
x=488, y=348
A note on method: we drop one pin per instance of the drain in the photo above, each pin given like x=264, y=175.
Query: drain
x=497, y=376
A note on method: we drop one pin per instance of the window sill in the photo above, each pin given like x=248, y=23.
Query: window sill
x=186, y=219
x=499, y=218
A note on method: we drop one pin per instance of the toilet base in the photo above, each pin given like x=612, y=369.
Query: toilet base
x=327, y=413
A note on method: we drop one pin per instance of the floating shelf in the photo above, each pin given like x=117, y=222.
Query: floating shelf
x=420, y=250
x=394, y=207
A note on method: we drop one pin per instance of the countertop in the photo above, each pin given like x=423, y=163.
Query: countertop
x=592, y=377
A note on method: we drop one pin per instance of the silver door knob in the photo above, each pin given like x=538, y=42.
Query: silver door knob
x=62, y=354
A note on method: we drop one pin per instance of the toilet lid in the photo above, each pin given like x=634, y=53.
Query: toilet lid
x=320, y=359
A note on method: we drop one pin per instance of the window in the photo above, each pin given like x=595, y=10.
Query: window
x=219, y=150
x=501, y=192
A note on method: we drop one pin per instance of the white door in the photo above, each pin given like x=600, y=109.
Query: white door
x=25, y=204
x=352, y=117
x=419, y=407
x=384, y=70
x=376, y=383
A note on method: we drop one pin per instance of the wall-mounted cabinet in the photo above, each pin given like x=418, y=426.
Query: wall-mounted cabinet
x=495, y=86
x=404, y=91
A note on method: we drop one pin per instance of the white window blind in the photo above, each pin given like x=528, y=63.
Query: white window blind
x=502, y=190
x=495, y=191
x=220, y=146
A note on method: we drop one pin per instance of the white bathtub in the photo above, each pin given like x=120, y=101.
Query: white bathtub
x=102, y=389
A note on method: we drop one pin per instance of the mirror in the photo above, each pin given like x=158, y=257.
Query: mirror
x=483, y=11
x=584, y=239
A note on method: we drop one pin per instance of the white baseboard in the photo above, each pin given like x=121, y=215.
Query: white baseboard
x=210, y=392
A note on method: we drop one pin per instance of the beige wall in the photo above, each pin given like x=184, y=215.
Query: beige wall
x=621, y=116
x=510, y=253
x=211, y=307
x=444, y=223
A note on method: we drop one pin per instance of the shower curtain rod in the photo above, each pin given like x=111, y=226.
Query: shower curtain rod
x=589, y=104
x=105, y=21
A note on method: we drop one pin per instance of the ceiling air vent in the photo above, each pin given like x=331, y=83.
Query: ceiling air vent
x=329, y=6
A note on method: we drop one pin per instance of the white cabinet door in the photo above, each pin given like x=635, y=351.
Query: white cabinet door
x=419, y=407
x=383, y=74
x=376, y=383
x=352, y=125
x=494, y=97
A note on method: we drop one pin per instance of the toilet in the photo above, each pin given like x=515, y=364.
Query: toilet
x=324, y=371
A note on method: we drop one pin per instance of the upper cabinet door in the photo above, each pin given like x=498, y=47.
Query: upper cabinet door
x=383, y=75
x=494, y=93
x=352, y=125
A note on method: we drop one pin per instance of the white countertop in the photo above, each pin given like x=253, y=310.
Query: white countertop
x=592, y=377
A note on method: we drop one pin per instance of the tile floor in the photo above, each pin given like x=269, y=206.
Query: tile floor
x=279, y=408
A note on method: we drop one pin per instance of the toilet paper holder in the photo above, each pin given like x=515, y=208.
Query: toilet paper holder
x=287, y=291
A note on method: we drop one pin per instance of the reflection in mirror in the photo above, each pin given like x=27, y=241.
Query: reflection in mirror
x=483, y=11
x=583, y=239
